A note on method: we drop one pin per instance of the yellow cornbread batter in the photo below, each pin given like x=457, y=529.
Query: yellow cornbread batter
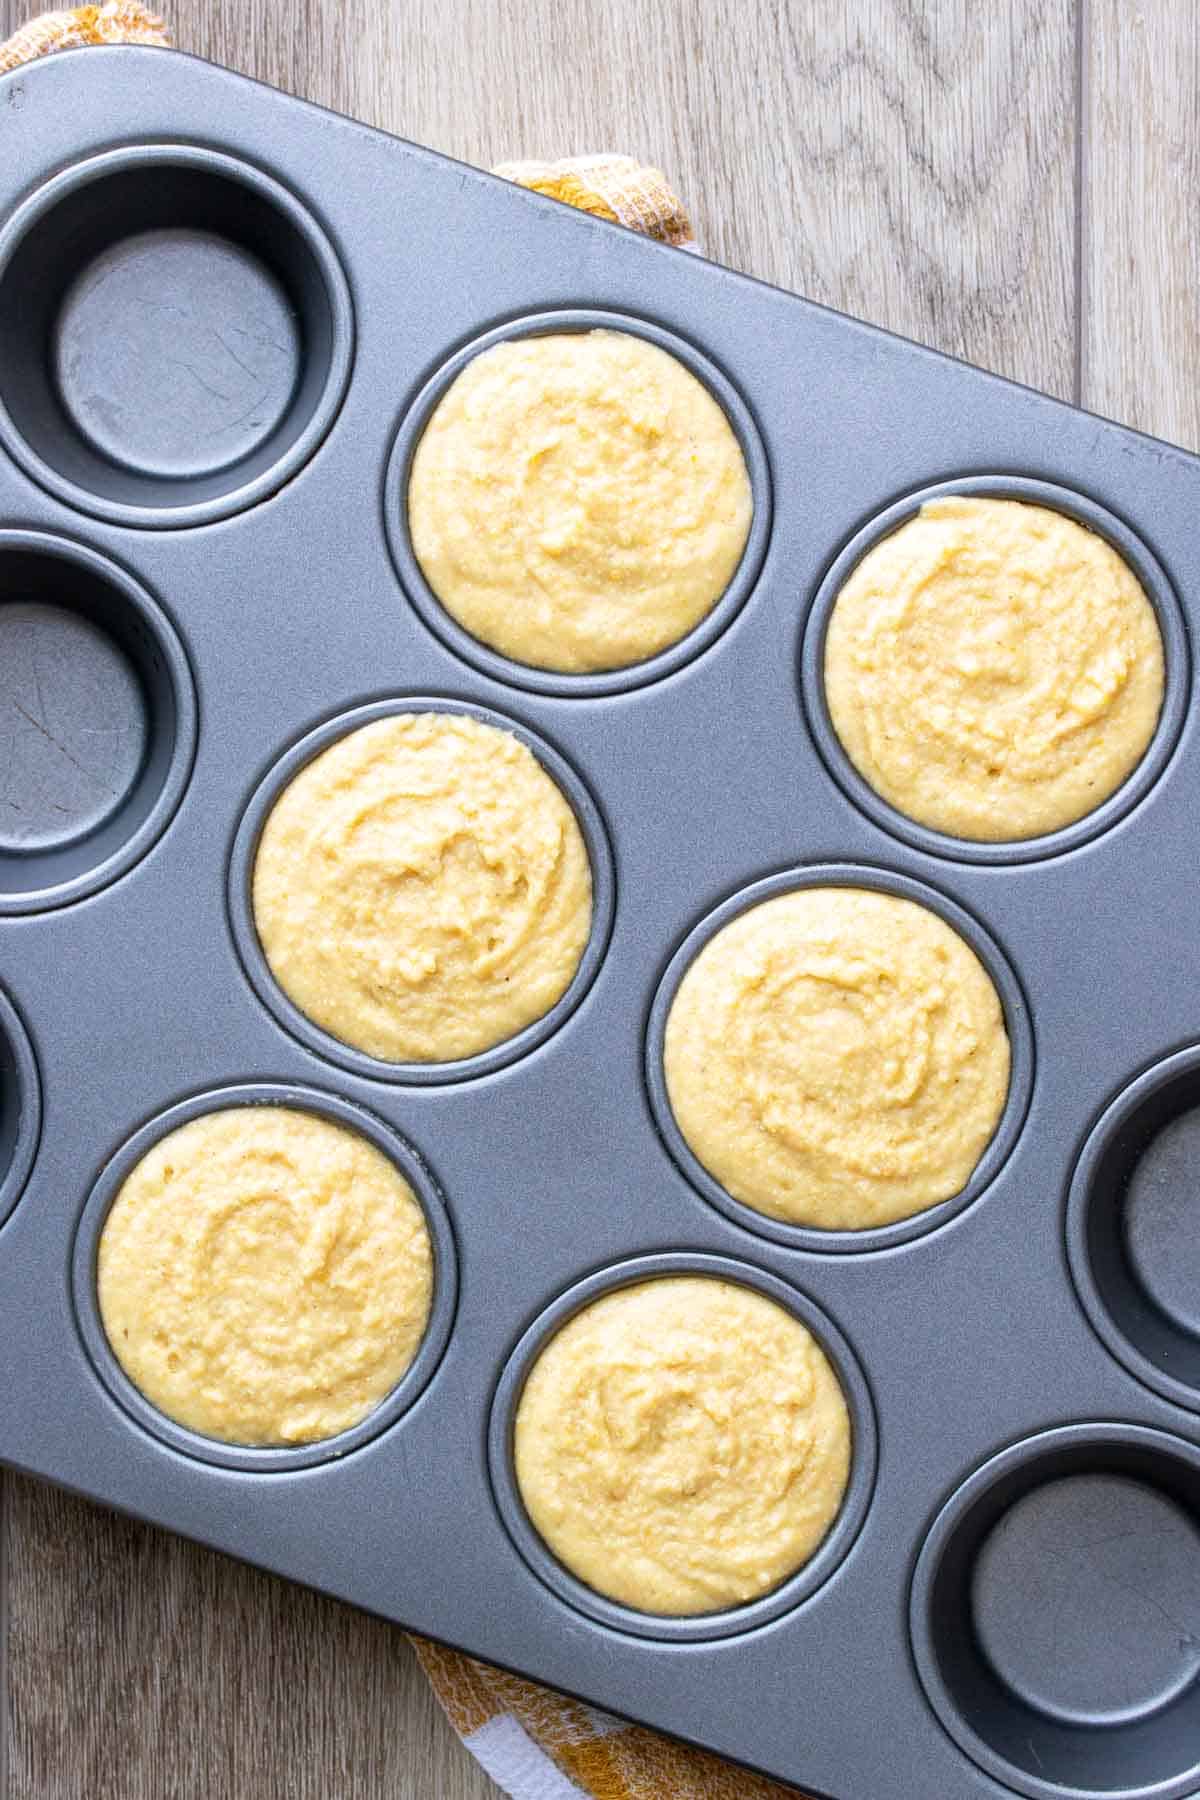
x=993, y=669
x=682, y=1445
x=265, y=1276
x=422, y=889
x=578, y=501
x=837, y=1057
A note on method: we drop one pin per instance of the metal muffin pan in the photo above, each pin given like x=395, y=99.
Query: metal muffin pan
x=1022, y=1366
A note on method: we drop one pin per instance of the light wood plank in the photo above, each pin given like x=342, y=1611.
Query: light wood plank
x=1141, y=317
x=143, y=1668
x=910, y=164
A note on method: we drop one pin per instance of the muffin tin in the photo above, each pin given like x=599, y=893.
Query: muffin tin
x=223, y=315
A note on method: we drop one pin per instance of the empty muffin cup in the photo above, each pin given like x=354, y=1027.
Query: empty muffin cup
x=808, y=1074
x=98, y=716
x=176, y=332
x=20, y=1106
x=265, y=1276
x=1132, y=1237
x=1055, y=1615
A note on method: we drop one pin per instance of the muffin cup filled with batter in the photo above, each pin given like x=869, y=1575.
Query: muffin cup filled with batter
x=421, y=890
x=839, y=1057
x=578, y=502
x=683, y=1446
x=265, y=1276
x=995, y=669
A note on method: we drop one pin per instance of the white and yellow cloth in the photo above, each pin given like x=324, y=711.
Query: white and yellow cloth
x=535, y=1744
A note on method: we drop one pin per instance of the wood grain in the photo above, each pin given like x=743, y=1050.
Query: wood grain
x=1141, y=249
x=916, y=165
x=145, y=1669
x=912, y=164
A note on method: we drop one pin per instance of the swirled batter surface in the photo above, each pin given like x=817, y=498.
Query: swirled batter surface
x=683, y=1445
x=838, y=1058
x=265, y=1276
x=578, y=501
x=993, y=669
x=422, y=889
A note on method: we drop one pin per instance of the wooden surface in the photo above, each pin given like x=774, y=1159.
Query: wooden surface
x=1015, y=183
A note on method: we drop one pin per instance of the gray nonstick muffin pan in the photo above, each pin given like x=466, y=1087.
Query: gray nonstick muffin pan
x=223, y=317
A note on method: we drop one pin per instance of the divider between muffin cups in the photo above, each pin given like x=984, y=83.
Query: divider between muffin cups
x=337, y=1111
x=481, y=656
x=703, y=1627
x=241, y=909
x=1017, y=1024
x=1176, y=655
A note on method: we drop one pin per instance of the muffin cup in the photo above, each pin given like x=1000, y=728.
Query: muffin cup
x=1131, y=1238
x=20, y=1106
x=292, y=619
x=1016, y=1020
x=1177, y=672
x=265, y=1459
x=104, y=667
x=177, y=335
x=705, y=1626
x=548, y=681
x=1053, y=1609
x=289, y=1015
